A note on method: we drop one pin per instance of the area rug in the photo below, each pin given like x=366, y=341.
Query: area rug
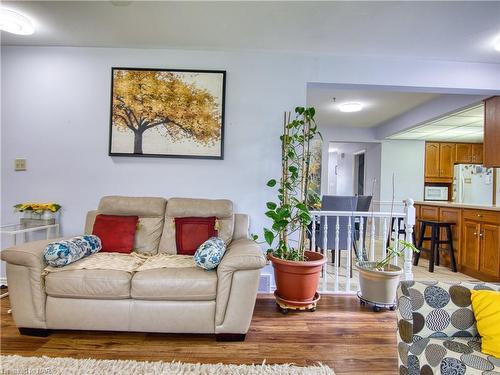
x=15, y=364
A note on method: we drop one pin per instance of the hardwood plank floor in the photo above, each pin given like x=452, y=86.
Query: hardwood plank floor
x=341, y=334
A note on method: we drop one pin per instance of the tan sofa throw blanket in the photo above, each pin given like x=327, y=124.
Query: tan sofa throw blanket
x=132, y=262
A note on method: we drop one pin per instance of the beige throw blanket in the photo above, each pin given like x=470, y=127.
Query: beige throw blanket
x=132, y=262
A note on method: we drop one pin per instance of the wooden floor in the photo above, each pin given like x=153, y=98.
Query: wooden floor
x=341, y=334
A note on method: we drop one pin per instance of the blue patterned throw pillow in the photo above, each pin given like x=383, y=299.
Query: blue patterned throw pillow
x=64, y=252
x=210, y=252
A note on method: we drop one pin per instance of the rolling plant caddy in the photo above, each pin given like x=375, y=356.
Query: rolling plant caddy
x=378, y=281
x=296, y=270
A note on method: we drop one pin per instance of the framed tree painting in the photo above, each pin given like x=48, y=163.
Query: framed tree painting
x=167, y=113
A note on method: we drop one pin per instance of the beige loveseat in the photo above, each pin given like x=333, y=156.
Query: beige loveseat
x=176, y=300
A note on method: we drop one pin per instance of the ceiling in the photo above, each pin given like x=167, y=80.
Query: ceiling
x=448, y=30
x=379, y=106
x=463, y=126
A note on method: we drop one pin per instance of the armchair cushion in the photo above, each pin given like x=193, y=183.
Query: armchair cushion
x=486, y=305
x=117, y=233
x=61, y=253
x=209, y=254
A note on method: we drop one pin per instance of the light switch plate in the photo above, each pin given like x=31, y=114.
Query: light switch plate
x=20, y=165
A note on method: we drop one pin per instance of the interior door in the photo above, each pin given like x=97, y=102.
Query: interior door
x=431, y=159
x=490, y=250
x=471, y=244
x=446, y=159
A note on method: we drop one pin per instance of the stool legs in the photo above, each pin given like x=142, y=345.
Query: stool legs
x=450, y=249
x=433, y=249
x=420, y=243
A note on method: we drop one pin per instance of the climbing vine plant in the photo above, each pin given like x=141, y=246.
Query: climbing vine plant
x=290, y=212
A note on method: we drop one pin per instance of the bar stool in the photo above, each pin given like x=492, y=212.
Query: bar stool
x=401, y=231
x=435, y=242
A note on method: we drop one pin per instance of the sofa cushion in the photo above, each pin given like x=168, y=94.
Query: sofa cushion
x=222, y=209
x=117, y=233
x=451, y=355
x=191, y=232
x=174, y=284
x=151, y=212
x=92, y=284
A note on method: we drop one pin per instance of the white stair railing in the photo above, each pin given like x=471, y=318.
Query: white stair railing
x=376, y=223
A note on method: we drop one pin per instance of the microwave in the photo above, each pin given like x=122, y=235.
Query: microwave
x=436, y=193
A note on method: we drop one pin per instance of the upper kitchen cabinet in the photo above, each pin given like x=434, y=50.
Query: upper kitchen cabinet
x=431, y=160
x=492, y=132
x=463, y=153
x=446, y=159
x=477, y=153
x=439, y=161
x=467, y=153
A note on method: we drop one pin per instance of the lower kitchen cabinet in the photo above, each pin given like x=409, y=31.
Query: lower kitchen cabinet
x=476, y=238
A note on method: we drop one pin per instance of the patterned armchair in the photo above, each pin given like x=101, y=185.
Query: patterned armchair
x=437, y=331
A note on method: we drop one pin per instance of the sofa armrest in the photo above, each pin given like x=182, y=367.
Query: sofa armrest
x=404, y=315
x=245, y=258
x=29, y=254
x=243, y=254
x=26, y=290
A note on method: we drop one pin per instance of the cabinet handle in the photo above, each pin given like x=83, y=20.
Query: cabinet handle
x=480, y=234
x=479, y=215
x=475, y=233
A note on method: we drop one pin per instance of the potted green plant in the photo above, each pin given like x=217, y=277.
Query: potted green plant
x=296, y=269
x=378, y=281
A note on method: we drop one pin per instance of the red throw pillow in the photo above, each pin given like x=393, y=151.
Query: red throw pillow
x=191, y=232
x=117, y=233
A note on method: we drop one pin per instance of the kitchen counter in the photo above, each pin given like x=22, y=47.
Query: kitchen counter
x=458, y=205
x=475, y=234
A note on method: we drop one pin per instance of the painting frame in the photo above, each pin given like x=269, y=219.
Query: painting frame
x=220, y=156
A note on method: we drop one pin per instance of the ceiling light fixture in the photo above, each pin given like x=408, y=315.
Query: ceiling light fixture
x=15, y=23
x=497, y=44
x=350, y=107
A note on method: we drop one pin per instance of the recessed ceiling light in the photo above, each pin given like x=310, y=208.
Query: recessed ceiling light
x=497, y=44
x=350, y=107
x=15, y=23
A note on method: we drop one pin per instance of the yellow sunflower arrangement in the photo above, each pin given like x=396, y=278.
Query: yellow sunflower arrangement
x=37, y=207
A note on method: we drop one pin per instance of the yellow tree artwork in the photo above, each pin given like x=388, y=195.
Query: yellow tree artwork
x=167, y=113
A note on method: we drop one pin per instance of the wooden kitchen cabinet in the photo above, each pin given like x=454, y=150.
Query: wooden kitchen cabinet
x=481, y=239
x=463, y=153
x=446, y=159
x=490, y=250
x=476, y=238
x=492, y=132
x=471, y=248
x=477, y=153
x=432, y=166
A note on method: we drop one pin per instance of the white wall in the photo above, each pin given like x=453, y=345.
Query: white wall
x=344, y=180
x=55, y=103
x=404, y=159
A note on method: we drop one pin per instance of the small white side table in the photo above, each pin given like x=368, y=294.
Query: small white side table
x=15, y=229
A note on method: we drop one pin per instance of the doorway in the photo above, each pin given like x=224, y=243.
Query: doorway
x=359, y=173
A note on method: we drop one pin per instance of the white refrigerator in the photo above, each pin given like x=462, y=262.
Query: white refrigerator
x=473, y=184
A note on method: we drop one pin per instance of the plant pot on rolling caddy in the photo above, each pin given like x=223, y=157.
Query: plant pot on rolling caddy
x=296, y=270
x=297, y=281
x=378, y=281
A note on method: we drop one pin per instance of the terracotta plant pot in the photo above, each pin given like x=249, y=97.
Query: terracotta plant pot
x=378, y=286
x=297, y=281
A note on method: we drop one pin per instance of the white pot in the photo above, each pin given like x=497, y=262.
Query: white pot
x=47, y=215
x=36, y=216
x=378, y=286
x=27, y=214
